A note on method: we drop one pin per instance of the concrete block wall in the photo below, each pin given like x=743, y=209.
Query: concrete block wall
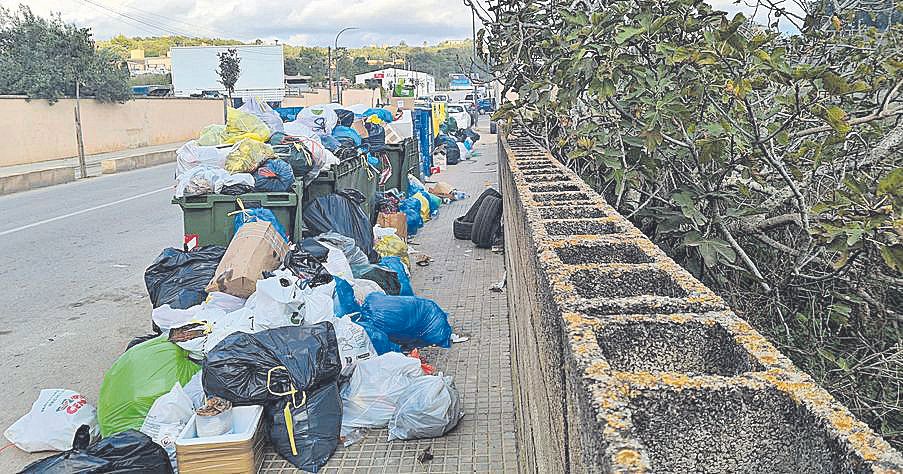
x=624, y=362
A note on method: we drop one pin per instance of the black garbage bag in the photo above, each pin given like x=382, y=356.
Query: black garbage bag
x=307, y=267
x=386, y=278
x=292, y=358
x=316, y=424
x=178, y=278
x=274, y=176
x=237, y=189
x=341, y=213
x=297, y=155
x=315, y=248
x=376, y=136
x=126, y=452
x=346, y=117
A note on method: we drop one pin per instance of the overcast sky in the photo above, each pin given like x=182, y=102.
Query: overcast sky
x=297, y=22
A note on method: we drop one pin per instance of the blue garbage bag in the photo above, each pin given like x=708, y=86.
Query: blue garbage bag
x=383, y=114
x=330, y=143
x=395, y=264
x=343, y=301
x=258, y=214
x=414, y=187
x=280, y=183
x=408, y=320
x=378, y=337
x=411, y=208
x=376, y=136
x=341, y=132
x=433, y=200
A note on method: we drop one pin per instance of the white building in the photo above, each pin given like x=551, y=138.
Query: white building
x=403, y=82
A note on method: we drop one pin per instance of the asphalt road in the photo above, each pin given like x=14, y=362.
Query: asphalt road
x=72, y=295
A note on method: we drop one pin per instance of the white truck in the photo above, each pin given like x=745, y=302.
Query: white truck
x=262, y=71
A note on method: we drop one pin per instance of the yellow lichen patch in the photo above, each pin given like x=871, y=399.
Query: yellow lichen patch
x=628, y=458
x=597, y=370
x=861, y=440
x=676, y=380
x=768, y=359
x=842, y=421
x=644, y=379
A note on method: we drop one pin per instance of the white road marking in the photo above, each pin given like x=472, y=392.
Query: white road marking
x=72, y=214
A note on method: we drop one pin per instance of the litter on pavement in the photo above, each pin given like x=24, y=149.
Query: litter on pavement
x=288, y=318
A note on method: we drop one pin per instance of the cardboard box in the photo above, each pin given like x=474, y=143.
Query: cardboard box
x=398, y=221
x=256, y=248
x=442, y=189
x=360, y=128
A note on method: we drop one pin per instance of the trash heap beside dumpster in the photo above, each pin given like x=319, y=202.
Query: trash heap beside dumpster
x=287, y=318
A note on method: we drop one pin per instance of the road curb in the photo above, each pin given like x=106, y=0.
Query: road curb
x=15, y=183
x=128, y=163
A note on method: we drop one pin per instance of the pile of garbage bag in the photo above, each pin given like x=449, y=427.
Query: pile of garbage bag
x=318, y=335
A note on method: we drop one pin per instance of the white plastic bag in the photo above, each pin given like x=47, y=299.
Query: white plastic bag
x=166, y=418
x=298, y=129
x=354, y=343
x=318, y=118
x=349, y=247
x=201, y=180
x=191, y=155
x=428, y=408
x=52, y=422
x=336, y=262
x=260, y=109
x=318, y=305
x=195, y=390
x=463, y=151
x=370, y=398
x=277, y=301
x=363, y=287
x=239, y=178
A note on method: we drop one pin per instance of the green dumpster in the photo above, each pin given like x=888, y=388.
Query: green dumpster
x=208, y=215
x=404, y=160
x=353, y=174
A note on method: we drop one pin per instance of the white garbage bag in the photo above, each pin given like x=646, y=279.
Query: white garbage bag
x=299, y=129
x=191, y=155
x=349, y=247
x=239, y=178
x=166, y=317
x=277, y=301
x=260, y=109
x=52, y=422
x=336, y=262
x=370, y=398
x=318, y=305
x=201, y=180
x=354, y=343
x=318, y=118
x=363, y=287
x=195, y=390
x=166, y=418
x=428, y=408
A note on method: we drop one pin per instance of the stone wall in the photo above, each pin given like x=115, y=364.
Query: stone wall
x=623, y=362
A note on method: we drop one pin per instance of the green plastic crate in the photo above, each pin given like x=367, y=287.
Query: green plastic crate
x=208, y=215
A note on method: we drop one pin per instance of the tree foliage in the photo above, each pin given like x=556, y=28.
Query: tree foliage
x=768, y=164
x=44, y=57
x=229, y=69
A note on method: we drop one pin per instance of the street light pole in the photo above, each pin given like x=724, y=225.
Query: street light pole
x=338, y=87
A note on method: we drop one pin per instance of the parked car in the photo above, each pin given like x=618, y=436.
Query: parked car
x=486, y=105
x=440, y=98
x=459, y=112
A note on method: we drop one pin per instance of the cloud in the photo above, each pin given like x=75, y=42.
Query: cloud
x=313, y=22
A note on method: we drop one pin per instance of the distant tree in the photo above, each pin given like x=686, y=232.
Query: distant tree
x=229, y=70
x=44, y=58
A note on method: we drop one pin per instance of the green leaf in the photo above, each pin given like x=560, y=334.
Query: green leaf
x=892, y=184
x=834, y=84
x=626, y=32
x=893, y=256
x=836, y=117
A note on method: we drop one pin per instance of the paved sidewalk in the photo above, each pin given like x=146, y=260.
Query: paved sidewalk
x=458, y=279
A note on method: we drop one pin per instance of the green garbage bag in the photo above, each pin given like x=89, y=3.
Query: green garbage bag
x=140, y=376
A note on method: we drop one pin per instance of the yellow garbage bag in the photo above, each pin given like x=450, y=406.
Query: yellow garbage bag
x=393, y=246
x=424, y=206
x=241, y=125
x=246, y=155
x=212, y=135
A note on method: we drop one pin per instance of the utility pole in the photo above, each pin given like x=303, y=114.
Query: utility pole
x=82, y=166
x=329, y=71
x=338, y=87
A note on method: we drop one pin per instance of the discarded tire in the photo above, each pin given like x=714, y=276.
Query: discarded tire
x=487, y=222
x=471, y=213
x=462, y=229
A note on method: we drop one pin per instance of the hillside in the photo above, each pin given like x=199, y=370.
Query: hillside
x=439, y=60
